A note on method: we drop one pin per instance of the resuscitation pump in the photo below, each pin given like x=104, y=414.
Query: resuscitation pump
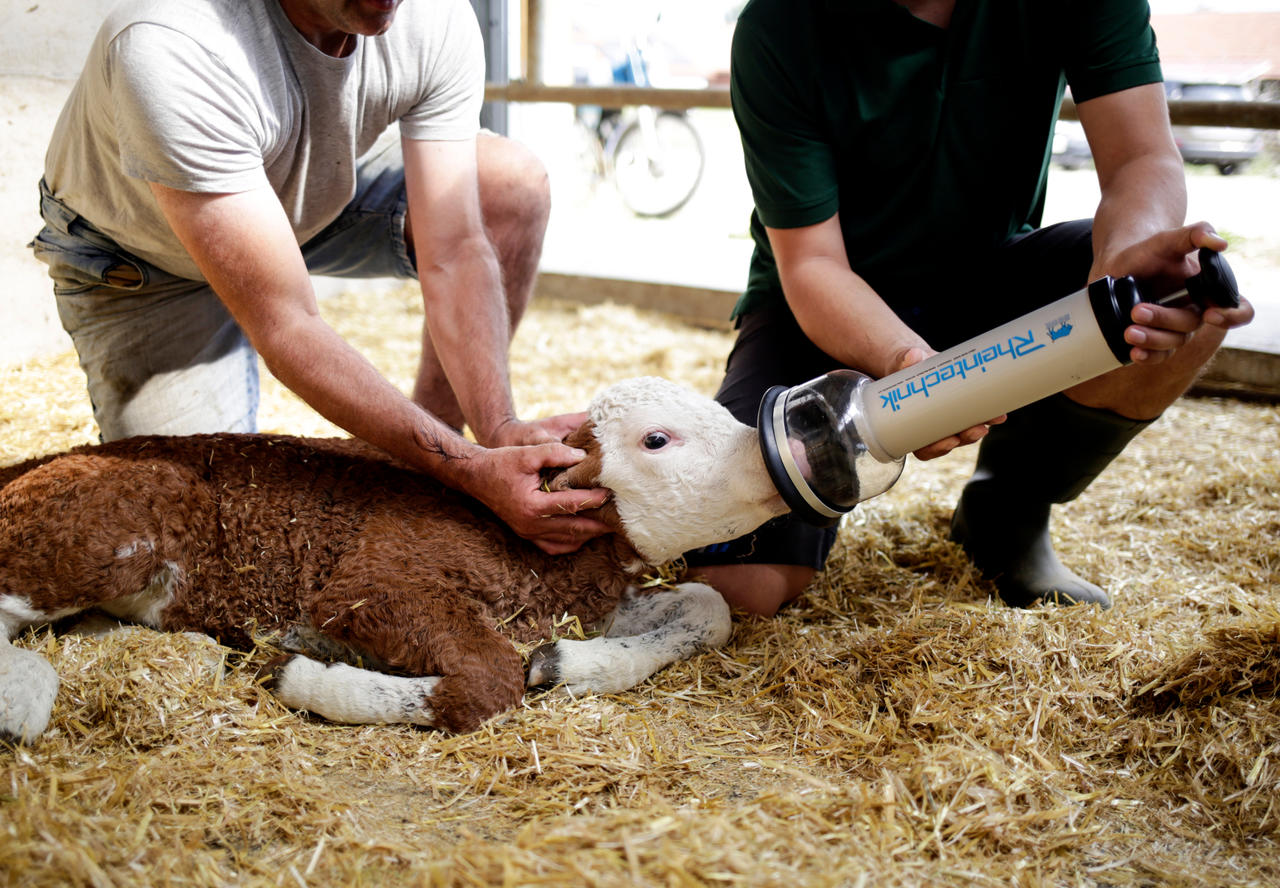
x=842, y=438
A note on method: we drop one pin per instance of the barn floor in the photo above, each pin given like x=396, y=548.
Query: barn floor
x=893, y=728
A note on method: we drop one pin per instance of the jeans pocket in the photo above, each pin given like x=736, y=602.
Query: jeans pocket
x=77, y=266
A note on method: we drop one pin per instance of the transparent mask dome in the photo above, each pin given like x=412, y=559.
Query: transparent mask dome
x=812, y=442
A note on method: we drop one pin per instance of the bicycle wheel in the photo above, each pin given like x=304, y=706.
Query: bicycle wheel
x=657, y=168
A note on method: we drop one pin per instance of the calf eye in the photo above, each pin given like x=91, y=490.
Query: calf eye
x=656, y=440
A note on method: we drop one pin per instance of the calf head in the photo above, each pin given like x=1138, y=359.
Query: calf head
x=684, y=473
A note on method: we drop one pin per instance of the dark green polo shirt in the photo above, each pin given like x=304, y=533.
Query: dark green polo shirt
x=933, y=144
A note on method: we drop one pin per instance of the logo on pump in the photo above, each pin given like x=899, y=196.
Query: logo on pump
x=975, y=361
x=1058, y=328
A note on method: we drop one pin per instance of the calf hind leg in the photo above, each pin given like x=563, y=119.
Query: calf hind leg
x=455, y=685
x=28, y=687
x=99, y=548
x=349, y=695
x=463, y=670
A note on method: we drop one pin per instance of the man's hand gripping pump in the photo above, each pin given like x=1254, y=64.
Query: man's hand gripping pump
x=842, y=438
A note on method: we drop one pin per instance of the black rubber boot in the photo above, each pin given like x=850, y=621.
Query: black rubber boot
x=1045, y=453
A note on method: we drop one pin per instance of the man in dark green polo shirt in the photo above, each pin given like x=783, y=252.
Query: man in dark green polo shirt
x=898, y=154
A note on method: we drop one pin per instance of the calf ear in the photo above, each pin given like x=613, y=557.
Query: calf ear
x=586, y=473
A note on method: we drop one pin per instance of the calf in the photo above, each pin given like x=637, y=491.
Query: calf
x=343, y=556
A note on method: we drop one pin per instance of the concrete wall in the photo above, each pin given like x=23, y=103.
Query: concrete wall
x=48, y=38
x=42, y=48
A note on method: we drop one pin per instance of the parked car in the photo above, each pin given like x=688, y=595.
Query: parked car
x=1228, y=148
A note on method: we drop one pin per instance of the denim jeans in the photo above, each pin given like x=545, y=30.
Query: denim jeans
x=161, y=353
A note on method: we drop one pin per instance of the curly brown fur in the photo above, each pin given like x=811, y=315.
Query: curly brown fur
x=257, y=525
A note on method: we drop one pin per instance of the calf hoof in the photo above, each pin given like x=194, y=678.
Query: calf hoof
x=28, y=686
x=269, y=673
x=544, y=667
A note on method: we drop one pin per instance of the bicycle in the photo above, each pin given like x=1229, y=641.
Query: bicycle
x=654, y=157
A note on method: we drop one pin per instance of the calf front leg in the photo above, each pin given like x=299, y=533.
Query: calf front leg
x=352, y=696
x=378, y=604
x=646, y=632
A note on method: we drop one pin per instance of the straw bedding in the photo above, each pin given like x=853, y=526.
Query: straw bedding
x=893, y=728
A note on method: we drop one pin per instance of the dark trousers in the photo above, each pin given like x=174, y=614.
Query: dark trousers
x=945, y=308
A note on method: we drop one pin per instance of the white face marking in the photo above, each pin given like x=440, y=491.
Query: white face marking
x=683, y=471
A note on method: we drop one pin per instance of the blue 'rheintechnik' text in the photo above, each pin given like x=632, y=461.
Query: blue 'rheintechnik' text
x=972, y=362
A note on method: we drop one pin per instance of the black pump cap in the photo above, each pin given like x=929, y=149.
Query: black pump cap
x=1113, y=301
x=1215, y=284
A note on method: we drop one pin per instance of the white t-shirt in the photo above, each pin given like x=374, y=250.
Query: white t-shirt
x=222, y=96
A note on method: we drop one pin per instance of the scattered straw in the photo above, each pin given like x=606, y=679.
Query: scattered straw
x=895, y=727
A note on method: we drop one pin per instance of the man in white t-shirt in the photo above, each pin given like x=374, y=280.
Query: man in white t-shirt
x=214, y=153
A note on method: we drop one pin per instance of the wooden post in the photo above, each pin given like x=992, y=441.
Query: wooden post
x=492, y=15
x=534, y=21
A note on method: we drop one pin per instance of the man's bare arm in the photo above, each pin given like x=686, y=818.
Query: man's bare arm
x=844, y=316
x=244, y=246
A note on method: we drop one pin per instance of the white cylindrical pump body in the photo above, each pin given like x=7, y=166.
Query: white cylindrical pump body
x=1032, y=357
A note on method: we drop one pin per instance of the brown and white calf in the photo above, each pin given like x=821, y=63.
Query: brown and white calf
x=347, y=557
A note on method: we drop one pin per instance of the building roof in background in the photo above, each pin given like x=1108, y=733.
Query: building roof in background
x=1219, y=46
